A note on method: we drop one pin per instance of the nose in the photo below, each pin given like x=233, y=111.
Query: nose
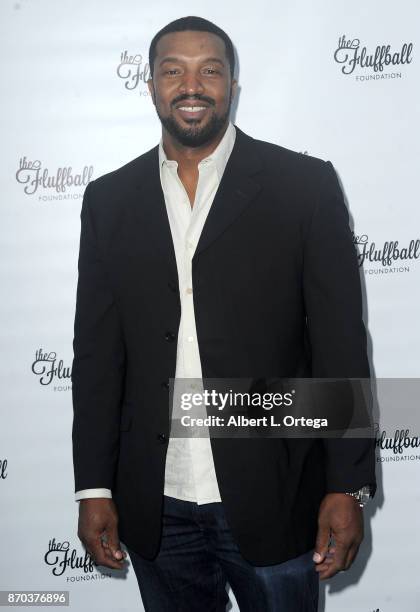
x=191, y=84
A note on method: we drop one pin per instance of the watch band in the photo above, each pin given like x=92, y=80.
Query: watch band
x=362, y=496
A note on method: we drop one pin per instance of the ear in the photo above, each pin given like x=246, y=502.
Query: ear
x=151, y=89
x=234, y=88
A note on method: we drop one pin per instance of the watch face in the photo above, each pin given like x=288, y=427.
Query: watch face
x=364, y=494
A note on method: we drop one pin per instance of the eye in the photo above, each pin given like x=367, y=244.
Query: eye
x=172, y=71
x=211, y=71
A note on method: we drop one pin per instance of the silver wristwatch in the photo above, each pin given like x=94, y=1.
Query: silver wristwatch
x=362, y=496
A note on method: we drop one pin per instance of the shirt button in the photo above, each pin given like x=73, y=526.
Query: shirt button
x=189, y=290
x=190, y=245
x=190, y=338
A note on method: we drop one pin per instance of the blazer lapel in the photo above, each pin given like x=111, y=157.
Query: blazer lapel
x=236, y=191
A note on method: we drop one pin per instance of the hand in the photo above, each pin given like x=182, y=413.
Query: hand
x=98, y=531
x=341, y=518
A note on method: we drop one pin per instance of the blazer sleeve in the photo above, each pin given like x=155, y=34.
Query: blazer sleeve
x=98, y=364
x=333, y=302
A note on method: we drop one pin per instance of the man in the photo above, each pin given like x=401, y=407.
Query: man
x=214, y=255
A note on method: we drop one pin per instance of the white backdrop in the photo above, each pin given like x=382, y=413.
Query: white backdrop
x=74, y=107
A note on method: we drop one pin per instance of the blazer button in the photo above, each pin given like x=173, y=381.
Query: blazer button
x=165, y=384
x=162, y=437
x=169, y=336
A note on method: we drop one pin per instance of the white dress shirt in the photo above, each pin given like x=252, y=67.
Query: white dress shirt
x=189, y=470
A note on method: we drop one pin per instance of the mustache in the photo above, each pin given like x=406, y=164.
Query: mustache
x=183, y=97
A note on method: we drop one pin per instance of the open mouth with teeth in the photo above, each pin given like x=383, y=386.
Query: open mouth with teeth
x=188, y=111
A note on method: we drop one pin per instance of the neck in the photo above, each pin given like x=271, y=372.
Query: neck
x=189, y=157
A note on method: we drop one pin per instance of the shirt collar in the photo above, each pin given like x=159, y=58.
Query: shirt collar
x=219, y=156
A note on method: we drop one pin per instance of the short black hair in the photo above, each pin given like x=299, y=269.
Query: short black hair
x=194, y=24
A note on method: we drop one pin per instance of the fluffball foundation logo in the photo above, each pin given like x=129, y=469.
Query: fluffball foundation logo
x=36, y=178
x=387, y=257
x=134, y=71
x=352, y=57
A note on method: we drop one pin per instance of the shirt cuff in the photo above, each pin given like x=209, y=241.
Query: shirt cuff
x=89, y=493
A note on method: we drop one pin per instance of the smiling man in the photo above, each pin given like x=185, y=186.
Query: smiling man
x=199, y=119
x=214, y=255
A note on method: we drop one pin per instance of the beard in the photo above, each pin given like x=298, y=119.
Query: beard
x=195, y=135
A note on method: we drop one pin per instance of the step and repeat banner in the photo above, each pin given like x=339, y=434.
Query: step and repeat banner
x=330, y=79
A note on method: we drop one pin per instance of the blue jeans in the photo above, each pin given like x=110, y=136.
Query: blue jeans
x=197, y=558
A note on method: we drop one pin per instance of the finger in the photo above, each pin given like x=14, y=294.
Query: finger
x=324, y=566
x=351, y=555
x=327, y=574
x=114, y=543
x=326, y=563
x=335, y=563
x=109, y=554
x=97, y=552
x=328, y=570
x=107, y=550
x=329, y=556
x=329, y=559
x=322, y=542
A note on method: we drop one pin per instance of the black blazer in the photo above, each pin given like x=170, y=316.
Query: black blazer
x=275, y=263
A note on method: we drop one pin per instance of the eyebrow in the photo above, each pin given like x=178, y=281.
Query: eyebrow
x=177, y=59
